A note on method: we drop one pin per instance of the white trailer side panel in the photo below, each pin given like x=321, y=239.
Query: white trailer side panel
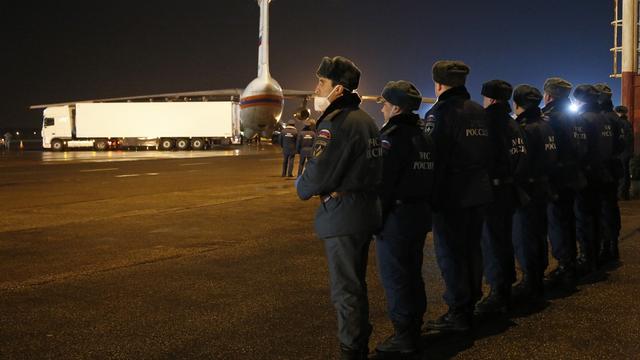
x=154, y=120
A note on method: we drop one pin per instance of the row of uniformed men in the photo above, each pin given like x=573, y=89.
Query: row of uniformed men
x=476, y=169
x=295, y=142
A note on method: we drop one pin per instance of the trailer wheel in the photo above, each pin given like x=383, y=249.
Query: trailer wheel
x=197, y=144
x=182, y=144
x=166, y=144
x=57, y=145
x=101, y=145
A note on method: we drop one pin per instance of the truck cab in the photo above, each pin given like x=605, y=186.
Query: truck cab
x=57, y=127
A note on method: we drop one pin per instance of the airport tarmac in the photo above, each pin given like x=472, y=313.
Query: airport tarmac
x=211, y=255
x=48, y=157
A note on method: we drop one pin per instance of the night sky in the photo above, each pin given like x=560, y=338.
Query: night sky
x=67, y=50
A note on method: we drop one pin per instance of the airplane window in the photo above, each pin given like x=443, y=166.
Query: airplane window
x=49, y=122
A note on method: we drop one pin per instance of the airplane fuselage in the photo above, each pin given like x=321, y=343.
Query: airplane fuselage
x=261, y=106
x=262, y=101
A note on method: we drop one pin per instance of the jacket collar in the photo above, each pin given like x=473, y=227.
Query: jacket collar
x=455, y=92
x=404, y=118
x=590, y=107
x=557, y=105
x=607, y=106
x=501, y=107
x=530, y=115
x=351, y=100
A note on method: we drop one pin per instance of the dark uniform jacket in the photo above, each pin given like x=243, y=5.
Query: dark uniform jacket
x=619, y=143
x=509, y=151
x=459, y=130
x=533, y=175
x=408, y=162
x=305, y=142
x=346, y=162
x=571, y=142
x=601, y=146
x=288, y=138
x=628, y=137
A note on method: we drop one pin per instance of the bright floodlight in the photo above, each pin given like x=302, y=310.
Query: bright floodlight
x=573, y=107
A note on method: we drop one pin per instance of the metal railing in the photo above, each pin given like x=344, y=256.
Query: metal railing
x=616, y=50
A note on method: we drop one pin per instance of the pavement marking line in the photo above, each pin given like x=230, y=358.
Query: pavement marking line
x=96, y=170
x=194, y=164
x=66, y=276
x=127, y=175
x=133, y=213
x=152, y=174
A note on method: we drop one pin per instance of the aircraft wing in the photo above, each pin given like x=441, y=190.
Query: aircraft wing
x=425, y=100
x=300, y=94
x=208, y=95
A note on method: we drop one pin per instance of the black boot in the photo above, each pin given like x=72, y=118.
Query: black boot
x=585, y=266
x=528, y=291
x=454, y=321
x=615, y=253
x=403, y=343
x=604, y=256
x=564, y=277
x=497, y=302
x=353, y=354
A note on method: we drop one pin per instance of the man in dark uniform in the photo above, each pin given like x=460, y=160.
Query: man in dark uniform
x=610, y=212
x=7, y=140
x=530, y=220
x=509, y=150
x=345, y=171
x=625, y=183
x=459, y=130
x=590, y=226
x=405, y=191
x=566, y=180
x=288, y=139
x=306, y=138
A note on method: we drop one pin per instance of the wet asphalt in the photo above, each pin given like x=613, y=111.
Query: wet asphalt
x=212, y=256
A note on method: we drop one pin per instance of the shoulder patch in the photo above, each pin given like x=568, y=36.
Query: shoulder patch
x=324, y=133
x=429, y=124
x=318, y=147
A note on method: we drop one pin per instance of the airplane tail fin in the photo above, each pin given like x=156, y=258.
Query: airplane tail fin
x=263, y=40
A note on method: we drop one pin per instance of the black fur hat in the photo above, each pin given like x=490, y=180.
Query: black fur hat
x=527, y=96
x=621, y=109
x=557, y=87
x=403, y=94
x=450, y=72
x=605, y=92
x=586, y=93
x=341, y=70
x=497, y=89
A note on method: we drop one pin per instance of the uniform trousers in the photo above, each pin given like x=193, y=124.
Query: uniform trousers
x=399, y=251
x=347, y=258
x=457, y=234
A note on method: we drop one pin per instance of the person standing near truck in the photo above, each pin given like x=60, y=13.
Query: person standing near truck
x=7, y=140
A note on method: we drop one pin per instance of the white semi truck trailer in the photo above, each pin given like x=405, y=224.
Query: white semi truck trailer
x=164, y=125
